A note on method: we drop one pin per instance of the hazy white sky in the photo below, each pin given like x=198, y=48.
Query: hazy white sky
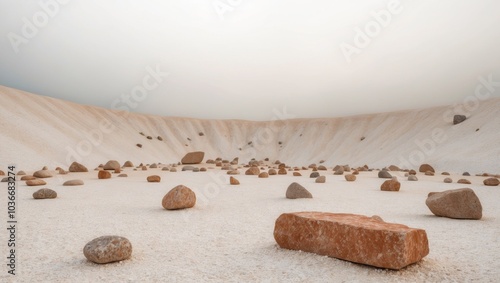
x=250, y=59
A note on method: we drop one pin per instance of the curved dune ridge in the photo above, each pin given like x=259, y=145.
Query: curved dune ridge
x=39, y=130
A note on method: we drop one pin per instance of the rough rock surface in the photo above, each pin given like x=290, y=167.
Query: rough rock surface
x=296, y=190
x=178, y=198
x=354, y=238
x=459, y=204
x=195, y=157
x=108, y=249
x=44, y=193
x=457, y=119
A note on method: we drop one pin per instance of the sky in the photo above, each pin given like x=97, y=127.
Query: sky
x=253, y=60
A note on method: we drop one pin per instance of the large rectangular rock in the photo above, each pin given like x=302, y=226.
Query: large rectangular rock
x=351, y=237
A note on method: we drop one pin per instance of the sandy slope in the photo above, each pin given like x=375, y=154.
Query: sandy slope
x=37, y=130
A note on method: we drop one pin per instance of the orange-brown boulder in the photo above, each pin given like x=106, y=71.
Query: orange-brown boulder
x=464, y=181
x=36, y=182
x=233, y=181
x=272, y=172
x=103, y=174
x=264, y=175
x=391, y=186
x=491, y=182
x=282, y=171
x=351, y=237
x=195, y=157
x=77, y=167
x=426, y=167
x=178, y=198
x=153, y=179
x=459, y=204
x=350, y=177
x=253, y=171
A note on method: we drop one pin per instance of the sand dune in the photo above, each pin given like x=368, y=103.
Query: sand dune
x=38, y=129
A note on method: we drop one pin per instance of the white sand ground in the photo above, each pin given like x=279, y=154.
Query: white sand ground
x=228, y=235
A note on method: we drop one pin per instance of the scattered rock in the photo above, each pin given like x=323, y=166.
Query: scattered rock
x=264, y=175
x=297, y=174
x=466, y=174
x=394, y=168
x=5, y=179
x=149, y=137
x=457, y=119
x=76, y=182
x=412, y=172
x=201, y=134
x=448, y=180
x=339, y=171
x=144, y=168
x=179, y=197
x=36, y=182
x=21, y=173
x=253, y=171
x=321, y=180
x=464, y=181
x=117, y=171
x=233, y=172
x=377, y=218
x=111, y=165
x=426, y=167
x=296, y=191
x=44, y=193
x=322, y=168
x=491, y=182
x=173, y=169
x=390, y=186
x=123, y=175
x=153, y=179
x=27, y=178
x=459, y=204
x=153, y=166
x=282, y=171
x=188, y=168
x=203, y=169
x=412, y=178
x=350, y=177
x=43, y=174
x=159, y=138
x=314, y=175
x=139, y=145
x=195, y=157
x=103, y=174
x=108, y=249
x=445, y=173
x=384, y=174
x=77, y=167
x=2, y=173
x=351, y=237
x=233, y=181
